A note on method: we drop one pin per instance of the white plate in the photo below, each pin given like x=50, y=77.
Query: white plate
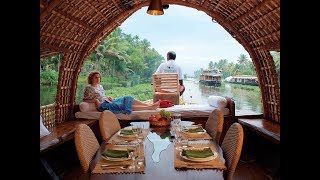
x=215, y=154
x=123, y=135
x=193, y=127
x=116, y=159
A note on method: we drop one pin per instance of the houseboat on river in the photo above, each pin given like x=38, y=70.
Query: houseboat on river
x=211, y=77
x=243, y=79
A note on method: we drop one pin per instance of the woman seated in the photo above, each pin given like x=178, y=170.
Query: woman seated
x=94, y=93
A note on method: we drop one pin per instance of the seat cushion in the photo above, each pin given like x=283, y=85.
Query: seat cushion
x=217, y=101
x=173, y=97
x=87, y=107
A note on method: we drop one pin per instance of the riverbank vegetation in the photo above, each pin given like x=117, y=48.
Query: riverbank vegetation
x=244, y=66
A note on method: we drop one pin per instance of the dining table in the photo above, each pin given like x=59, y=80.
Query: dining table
x=160, y=157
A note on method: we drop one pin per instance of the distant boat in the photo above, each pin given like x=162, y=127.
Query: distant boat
x=243, y=79
x=211, y=77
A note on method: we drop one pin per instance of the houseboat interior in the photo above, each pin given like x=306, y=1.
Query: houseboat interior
x=240, y=146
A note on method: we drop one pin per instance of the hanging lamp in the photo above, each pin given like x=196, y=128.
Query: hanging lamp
x=155, y=8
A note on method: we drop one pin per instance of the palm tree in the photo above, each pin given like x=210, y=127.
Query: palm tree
x=242, y=59
x=112, y=53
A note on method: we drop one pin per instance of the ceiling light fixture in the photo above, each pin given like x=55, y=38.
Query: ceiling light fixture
x=155, y=8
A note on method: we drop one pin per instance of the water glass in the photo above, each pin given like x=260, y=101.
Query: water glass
x=184, y=143
x=133, y=156
x=176, y=118
x=181, y=141
x=140, y=157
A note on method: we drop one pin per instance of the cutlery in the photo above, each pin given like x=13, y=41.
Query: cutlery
x=114, y=166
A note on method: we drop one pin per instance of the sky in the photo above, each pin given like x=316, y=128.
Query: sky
x=189, y=32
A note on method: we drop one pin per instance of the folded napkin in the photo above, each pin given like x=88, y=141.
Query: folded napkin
x=197, y=152
x=126, y=132
x=114, y=153
x=194, y=130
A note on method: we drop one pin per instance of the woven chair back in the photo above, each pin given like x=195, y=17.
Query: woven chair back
x=232, y=147
x=109, y=124
x=86, y=145
x=214, y=124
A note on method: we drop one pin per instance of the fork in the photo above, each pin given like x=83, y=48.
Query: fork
x=114, y=166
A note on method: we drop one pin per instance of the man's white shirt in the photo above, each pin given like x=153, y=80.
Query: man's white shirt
x=170, y=67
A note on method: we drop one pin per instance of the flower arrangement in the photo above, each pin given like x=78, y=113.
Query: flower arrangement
x=163, y=118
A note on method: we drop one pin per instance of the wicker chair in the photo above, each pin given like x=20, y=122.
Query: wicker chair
x=86, y=145
x=214, y=124
x=231, y=147
x=166, y=86
x=109, y=124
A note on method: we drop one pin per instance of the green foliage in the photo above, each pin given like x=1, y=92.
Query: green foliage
x=243, y=67
x=276, y=57
x=49, y=77
x=123, y=55
x=140, y=92
x=165, y=114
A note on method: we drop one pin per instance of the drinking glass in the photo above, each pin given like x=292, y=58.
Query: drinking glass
x=176, y=118
x=135, y=129
x=181, y=141
x=133, y=156
x=184, y=143
x=140, y=148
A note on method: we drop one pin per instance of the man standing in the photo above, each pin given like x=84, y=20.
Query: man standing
x=171, y=67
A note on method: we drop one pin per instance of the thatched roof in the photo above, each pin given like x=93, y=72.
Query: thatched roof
x=76, y=27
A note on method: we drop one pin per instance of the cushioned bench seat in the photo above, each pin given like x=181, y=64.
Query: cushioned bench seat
x=270, y=130
x=186, y=111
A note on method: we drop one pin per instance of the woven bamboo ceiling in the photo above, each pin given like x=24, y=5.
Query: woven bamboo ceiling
x=76, y=27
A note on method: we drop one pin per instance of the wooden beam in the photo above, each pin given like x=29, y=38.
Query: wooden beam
x=234, y=12
x=257, y=20
x=54, y=48
x=47, y=11
x=43, y=4
x=74, y=20
x=98, y=12
x=218, y=5
x=246, y=14
x=45, y=54
x=117, y=5
x=202, y=2
x=273, y=46
x=255, y=29
x=61, y=38
x=266, y=36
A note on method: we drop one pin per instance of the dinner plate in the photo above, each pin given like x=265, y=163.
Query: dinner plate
x=124, y=135
x=215, y=154
x=193, y=127
x=116, y=159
